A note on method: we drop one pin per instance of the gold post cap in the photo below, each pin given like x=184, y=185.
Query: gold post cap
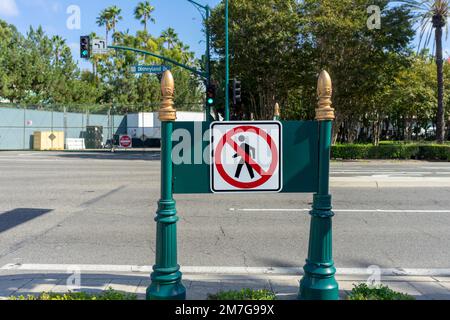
x=277, y=110
x=324, y=91
x=167, y=112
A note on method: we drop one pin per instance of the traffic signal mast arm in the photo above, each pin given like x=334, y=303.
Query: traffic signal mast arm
x=204, y=75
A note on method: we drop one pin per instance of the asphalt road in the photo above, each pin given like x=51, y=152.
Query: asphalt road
x=71, y=208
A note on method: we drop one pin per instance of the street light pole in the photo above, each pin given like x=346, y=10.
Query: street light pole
x=319, y=282
x=166, y=277
x=227, y=65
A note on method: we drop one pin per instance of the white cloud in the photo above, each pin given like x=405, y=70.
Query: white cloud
x=9, y=8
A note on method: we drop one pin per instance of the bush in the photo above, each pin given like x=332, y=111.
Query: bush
x=109, y=294
x=364, y=292
x=244, y=294
x=391, y=151
x=434, y=152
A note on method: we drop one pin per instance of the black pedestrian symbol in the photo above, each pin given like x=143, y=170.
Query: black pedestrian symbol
x=249, y=150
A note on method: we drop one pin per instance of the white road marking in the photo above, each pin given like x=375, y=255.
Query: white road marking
x=341, y=210
x=217, y=270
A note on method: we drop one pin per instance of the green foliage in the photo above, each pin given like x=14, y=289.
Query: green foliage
x=48, y=74
x=364, y=292
x=109, y=294
x=391, y=151
x=244, y=294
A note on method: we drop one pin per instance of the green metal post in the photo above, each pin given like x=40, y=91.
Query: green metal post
x=166, y=277
x=227, y=66
x=209, y=118
x=319, y=281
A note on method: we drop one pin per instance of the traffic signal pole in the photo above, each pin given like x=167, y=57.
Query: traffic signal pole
x=227, y=66
x=206, y=17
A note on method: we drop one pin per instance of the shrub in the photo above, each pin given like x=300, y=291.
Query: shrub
x=364, y=292
x=109, y=294
x=244, y=294
x=434, y=152
x=391, y=151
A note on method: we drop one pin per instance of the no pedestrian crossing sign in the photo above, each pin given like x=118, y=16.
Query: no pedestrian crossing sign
x=246, y=157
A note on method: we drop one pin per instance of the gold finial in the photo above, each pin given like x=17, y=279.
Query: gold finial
x=324, y=91
x=277, y=110
x=167, y=111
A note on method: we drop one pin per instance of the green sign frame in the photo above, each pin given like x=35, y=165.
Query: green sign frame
x=300, y=147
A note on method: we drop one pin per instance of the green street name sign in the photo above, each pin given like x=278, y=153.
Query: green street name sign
x=154, y=69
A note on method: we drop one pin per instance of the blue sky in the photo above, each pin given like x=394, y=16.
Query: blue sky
x=53, y=16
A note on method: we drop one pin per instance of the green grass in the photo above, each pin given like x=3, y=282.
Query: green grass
x=244, y=294
x=109, y=294
x=364, y=292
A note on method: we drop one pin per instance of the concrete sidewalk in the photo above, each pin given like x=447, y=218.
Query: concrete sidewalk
x=199, y=286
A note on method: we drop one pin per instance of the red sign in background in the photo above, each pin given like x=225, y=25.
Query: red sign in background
x=265, y=175
x=125, y=141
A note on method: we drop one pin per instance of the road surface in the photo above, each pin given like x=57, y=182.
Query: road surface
x=98, y=208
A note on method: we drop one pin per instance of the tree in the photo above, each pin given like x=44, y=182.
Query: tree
x=265, y=51
x=170, y=37
x=433, y=14
x=143, y=13
x=103, y=20
x=109, y=18
x=113, y=13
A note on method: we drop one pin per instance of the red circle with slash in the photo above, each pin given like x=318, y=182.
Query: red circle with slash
x=265, y=175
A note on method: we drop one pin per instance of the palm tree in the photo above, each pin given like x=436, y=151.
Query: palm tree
x=143, y=13
x=103, y=20
x=113, y=13
x=109, y=18
x=432, y=16
x=170, y=37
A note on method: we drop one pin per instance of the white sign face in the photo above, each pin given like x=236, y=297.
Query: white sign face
x=99, y=46
x=246, y=156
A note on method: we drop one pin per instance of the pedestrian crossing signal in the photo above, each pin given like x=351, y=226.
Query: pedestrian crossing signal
x=85, y=50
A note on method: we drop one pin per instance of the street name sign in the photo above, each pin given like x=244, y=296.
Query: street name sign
x=154, y=69
x=99, y=46
x=246, y=157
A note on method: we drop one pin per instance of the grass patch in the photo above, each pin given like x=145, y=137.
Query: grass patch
x=364, y=292
x=244, y=294
x=109, y=294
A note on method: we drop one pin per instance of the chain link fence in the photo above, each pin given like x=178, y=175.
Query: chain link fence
x=18, y=123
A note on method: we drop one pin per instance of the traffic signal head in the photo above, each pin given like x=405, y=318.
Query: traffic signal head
x=237, y=92
x=85, y=49
x=211, y=95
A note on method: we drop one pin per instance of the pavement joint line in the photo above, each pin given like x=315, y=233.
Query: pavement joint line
x=339, y=210
x=211, y=270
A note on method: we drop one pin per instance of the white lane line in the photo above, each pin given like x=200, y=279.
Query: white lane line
x=342, y=210
x=68, y=268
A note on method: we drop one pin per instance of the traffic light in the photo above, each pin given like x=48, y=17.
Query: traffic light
x=237, y=92
x=211, y=92
x=85, y=47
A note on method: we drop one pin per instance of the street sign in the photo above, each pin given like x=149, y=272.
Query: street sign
x=99, y=46
x=125, y=142
x=154, y=69
x=246, y=157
